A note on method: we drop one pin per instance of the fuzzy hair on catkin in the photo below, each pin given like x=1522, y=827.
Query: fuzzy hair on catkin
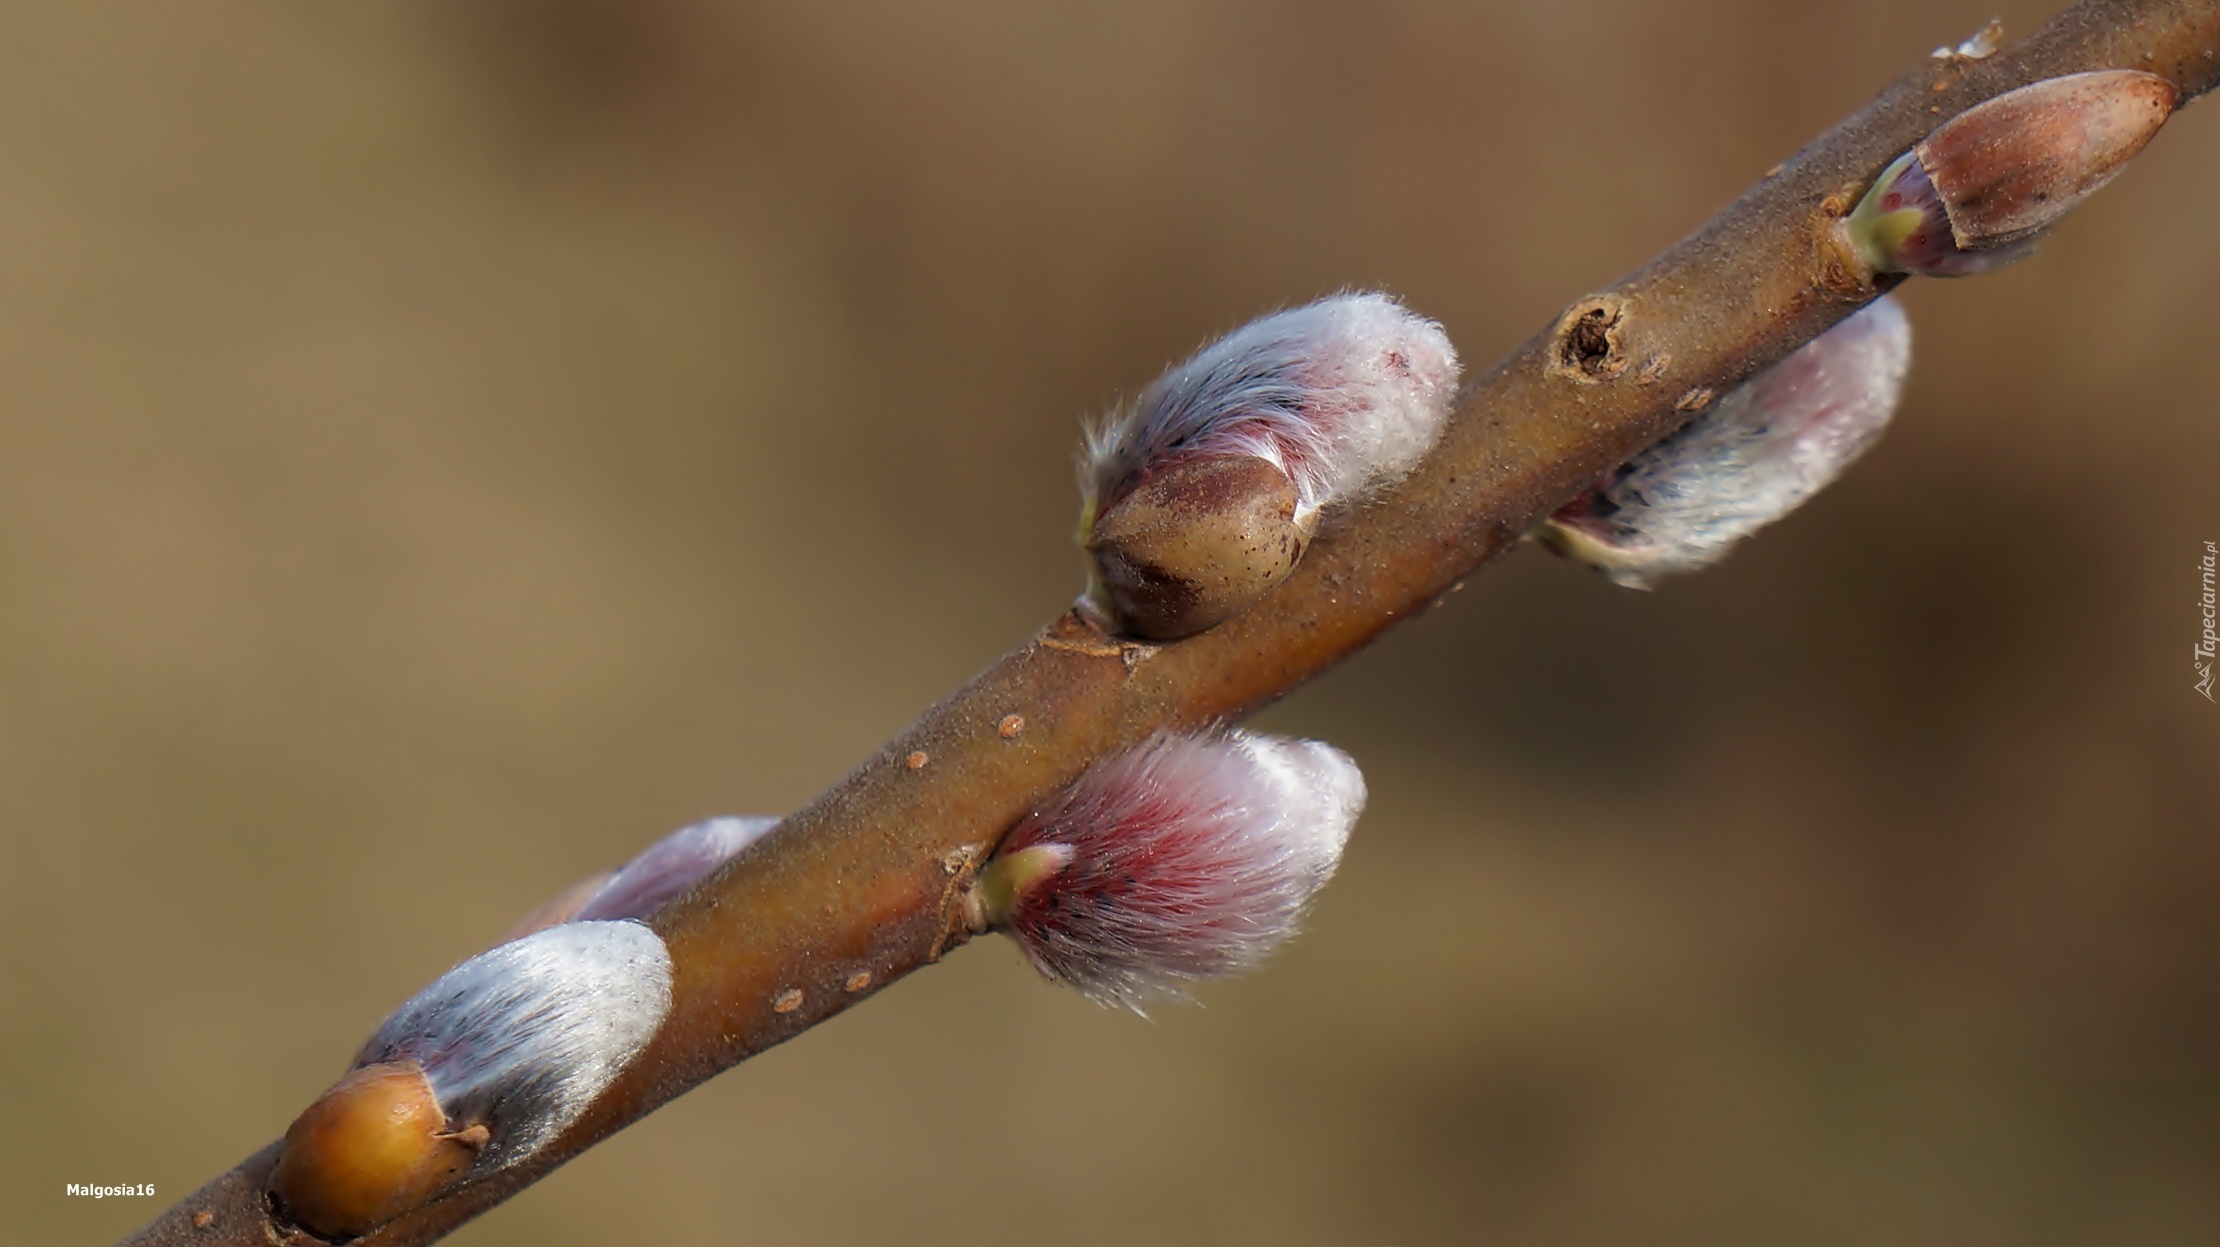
x=1761, y=452
x=1343, y=395
x=522, y=1037
x=671, y=865
x=1186, y=858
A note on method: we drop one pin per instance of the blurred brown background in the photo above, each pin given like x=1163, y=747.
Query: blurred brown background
x=445, y=446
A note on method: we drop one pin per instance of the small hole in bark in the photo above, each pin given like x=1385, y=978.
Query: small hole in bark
x=1588, y=346
x=1589, y=343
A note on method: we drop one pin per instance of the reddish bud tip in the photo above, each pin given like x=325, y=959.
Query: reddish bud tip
x=2011, y=166
x=1187, y=858
x=1203, y=495
x=1902, y=227
x=1976, y=193
x=1765, y=449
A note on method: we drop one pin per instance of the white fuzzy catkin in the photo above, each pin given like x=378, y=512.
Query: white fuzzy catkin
x=1343, y=395
x=1759, y=454
x=522, y=1037
x=1184, y=859
x=672, y=865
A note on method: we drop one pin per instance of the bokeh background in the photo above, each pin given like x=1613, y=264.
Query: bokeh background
x=444, y=446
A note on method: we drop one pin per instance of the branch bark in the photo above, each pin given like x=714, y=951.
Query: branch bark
x=859, y=887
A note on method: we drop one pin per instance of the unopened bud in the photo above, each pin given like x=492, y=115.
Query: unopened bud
x=1901, y=226
x=1976, y=193
x=497, y=1057
x=1769, y=445
x=369, y=1149
x=1186, y=858
x=1204, y=495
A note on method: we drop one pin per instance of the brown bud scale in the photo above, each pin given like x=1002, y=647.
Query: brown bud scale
x=1196, y=544
x=2013, y=165
x=371, y=1148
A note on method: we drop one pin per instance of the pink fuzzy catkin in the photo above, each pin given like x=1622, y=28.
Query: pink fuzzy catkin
x=1343, y=395
x=657, y=875
x=672, y=865
x=1187, y=858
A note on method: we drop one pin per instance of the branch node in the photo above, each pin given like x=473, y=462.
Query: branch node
x=1081, y=631
x=961, y=864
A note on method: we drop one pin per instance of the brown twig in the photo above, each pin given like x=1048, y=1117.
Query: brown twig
x=859, y=887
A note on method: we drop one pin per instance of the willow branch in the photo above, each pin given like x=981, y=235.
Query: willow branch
x=860, y=887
